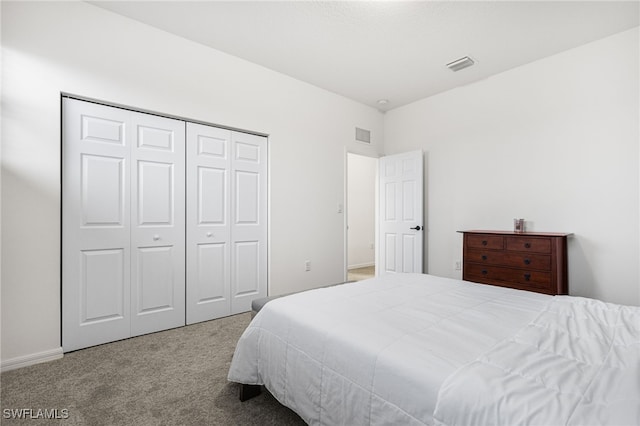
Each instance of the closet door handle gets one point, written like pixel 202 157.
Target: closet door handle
pixel 417 228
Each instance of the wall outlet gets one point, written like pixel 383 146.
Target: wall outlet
pixel 457 265
pixel 307 265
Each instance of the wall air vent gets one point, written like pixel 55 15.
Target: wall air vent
pixel 363 135
pixel 460 64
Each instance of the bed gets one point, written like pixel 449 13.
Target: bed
pixel 415 349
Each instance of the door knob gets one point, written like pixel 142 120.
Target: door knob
pixel 417 228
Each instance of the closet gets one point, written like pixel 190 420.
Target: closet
pixel 163 223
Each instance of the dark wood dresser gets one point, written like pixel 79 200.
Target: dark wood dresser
pixel 534 261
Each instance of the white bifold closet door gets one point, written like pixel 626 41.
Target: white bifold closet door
pixel 123 224
pixel 164 223
pixel 226 221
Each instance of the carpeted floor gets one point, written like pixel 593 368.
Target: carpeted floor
pixel 174 377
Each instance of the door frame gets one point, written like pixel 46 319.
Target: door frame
pixel 345 208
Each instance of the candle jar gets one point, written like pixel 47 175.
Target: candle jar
pixel 518 225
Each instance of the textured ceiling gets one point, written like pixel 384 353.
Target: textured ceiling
pixel 391 50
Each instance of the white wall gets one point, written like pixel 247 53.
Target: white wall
pixel 74 47
pixel 554 142
pixel 361 196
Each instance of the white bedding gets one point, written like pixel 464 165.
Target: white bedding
pixel 376 351
pixel 577 363
pixel 413 349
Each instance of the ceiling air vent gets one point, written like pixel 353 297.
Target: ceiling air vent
pixel 363 135
pixel 460 64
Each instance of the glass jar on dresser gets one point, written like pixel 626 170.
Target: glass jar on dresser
pixel 534 261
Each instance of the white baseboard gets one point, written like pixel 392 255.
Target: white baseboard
pixel 31 359
pixel 361 265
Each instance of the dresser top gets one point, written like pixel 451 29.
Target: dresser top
pixel 531 234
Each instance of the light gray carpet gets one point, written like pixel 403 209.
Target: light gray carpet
pixel 174 377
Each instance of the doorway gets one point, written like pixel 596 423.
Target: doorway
pixel 361 217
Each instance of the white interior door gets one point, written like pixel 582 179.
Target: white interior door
pixel 158 223
pixel 123 224
pixel 226 221
pixel 208 223
pixel 96 225
pixel 248 220
pixel 400 213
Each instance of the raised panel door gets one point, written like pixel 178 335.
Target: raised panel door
pixel 208 222
pixel 248 220
pixel 95 225
pixel 158 223
pixel 400 213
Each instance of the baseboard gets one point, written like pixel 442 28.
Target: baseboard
pixel 361 265
pixel 31 359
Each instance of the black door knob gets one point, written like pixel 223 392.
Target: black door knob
pixel 417 228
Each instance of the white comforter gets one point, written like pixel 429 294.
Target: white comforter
pixel 577 363
pixel 377 351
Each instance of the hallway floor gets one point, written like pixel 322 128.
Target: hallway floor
pixel 360 274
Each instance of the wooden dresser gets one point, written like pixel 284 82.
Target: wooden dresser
pixel 534 261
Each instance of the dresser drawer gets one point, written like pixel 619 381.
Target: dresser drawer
pixel 506 258
pixel 493 242
pixel 533 245
pixel 489 274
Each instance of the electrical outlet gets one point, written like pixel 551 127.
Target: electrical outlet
pixel 457 265
pixel 307 265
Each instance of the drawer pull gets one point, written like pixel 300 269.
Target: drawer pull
pixel 484 257
pixel 527 245
pixel 484 272
pixel 527 261
pixel 527 277
pixel 484 242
